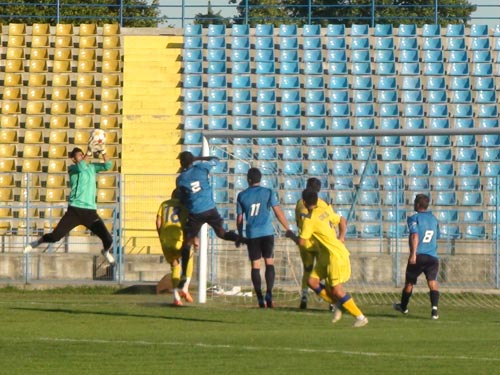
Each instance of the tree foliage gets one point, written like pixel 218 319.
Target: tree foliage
pixel 211 18
pixel 135 13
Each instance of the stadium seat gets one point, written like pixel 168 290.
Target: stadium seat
pixel 342 169
pixel 217 123
pixel 317 153
pixel 368 214
pixel 443 183
pixel 432 56
pixel 291 197
pixel 449 231
pixel 459 56
pixel 411 96
pixel 472 198
pixel 408 43
pixel 475 232
pixel 482 69
pixel 443 169
pixel 485 97
pixel 445 198
pixel 417 169
pixel 487 110
pixel 455 30
pixel 312 43
pixel 361 68
pixel 388 96
pixel 338 96
pixel 370 230
pixel 341 153
pixel 456 43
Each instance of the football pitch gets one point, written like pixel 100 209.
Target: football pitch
pixel 100 331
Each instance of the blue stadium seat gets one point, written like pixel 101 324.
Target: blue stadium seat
pixel 488 123
pixel 361 68
pixel 315 96
pixel 490 140
pixel 459 83
pixel 411 96
pixel 293 182
pixel 490 154
pixel 242 123
pixel 192 55
pixel 360 56
pixel 266 82
pixel 408 43
pixel 241 95
pixel 342 169
pixel 443 183
pixel 484 83
pixel 397 231
pixel 482 69
pixel 335 43
pixel 487 110
pixel 466 154
pixel 242 109
pixel 289 82
pixel 291 123
pixel 291 167
pixel 266 109
pixel 343 183
pixel 388 96
pixel 458 69
pixel 362 83
pixel 267 153
pixel 287 30
pixel 454 30
pixel 382 43
pixel 193 108
pixel 267 123
pixel 410 69
pixel 338 96
pixel 338 83
pixel 193 81
pixel 290 96
pixel 459 56
pixel 441 154
pixel 486 97
pixel 370 230
pixel 240 42
pixel 290 109
pixel 217 96
pixel 419 184
pixel 217 81
pixel 390 141
pixel 475 232
pixel 417 168
pixel 312 43
pixel 193 138
pixel 316 141
pixel 408 56
pixel 429 30
pixel 472 198
pixel 411 83
pixel 216 44
pixel 363 110
pixel 264 67
pixel 433 56
pixel 240 55
pixel 268 167
pixel 270 182
pixel 384 56
pixel 368 214
pixel 267 141
pixel 407 30
pixel 317 153
pixel 289 141
pixel 219 181
pixel 216 29
pixel 359 29
pixel 455 44
pixel 386 83
pixel 314 82
pixel 362 96
pixel 479 43
pixel 481 57
pixel 313 68
pixel 433 69
pixel 192 42
pixel 292 153
pixel 337 68
pixel 339 110
pixel 335 30
pixel 342 197
pixel 217 123
pixel 393 182
pixel 462 110
pixel 192 29
pixel 385 68
pixel 462 96
pixel 287 55
pixel 449 231
pixel 413 110
pixel 193 67
pixel 243 152
pixel 382 30
pixel 241 67
pixel 216 55
pixel 431 43
pixel 369 183
pixel 473 216
pixel 312 56
pixel 360 43
pixel 264 55
pixel 240 30
pixel 336 55
pixel 443 169
pixel 391 154
pixel 436 96
pixel 341 153
pixel 435 83
pixel 469 183
pixel 315 123
pixel 446 216
pixel 241 167
pixel 445 198
pixel 264 43
pixel 364 123
pixel 193 95
pixel 438 110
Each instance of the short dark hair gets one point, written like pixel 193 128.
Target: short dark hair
pixel 254 175
pixel 422 201
pixel 310 197
pixel 313 183
pixel 186 159
pixel 73 153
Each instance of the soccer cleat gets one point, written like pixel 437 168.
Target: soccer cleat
pixel 269 302
pixel 331 307
pixel 434 314
pixel 186 295
pixel 28 249
pixel 303 303
pixel 397 307
pixel 177 302
pixel 360 322
pixel 109 257
pixel 337 314
pixel 262 303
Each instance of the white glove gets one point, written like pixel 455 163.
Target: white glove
pixel 100 148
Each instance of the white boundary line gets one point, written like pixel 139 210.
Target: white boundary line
pixel 262 348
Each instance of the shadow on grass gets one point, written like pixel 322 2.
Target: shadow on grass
pixel 102 313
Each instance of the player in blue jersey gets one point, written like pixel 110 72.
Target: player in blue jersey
pixel 424 232
pixel 254 206
pixel 195 193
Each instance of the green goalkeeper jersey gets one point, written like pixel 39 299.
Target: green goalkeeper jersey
pixel 82 177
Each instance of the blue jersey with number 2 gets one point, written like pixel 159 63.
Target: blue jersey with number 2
pixel 195 188
pixel 256 203
pixel 426 226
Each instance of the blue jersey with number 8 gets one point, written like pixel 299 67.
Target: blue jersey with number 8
pixel 426 226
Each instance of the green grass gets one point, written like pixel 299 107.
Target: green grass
pixel 98 331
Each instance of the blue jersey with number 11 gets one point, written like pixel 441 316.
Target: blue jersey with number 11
pixel 195 189
pixel 256 203
pixel 426 226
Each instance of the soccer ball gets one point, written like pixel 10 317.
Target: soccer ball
pixel 99 136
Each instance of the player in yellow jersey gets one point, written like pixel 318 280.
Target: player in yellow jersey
pixel 333 262
pixel 309 252
pixel 170 220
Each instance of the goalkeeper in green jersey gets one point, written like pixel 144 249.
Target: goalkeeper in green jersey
pixel 82 209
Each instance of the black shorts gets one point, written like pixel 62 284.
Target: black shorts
pixel 426 264
pixel 261 247
pixel 195 222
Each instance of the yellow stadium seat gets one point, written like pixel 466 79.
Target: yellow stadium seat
pixel 105 180
pixel 60 79
pixel 7 165
pixel 64 29
pixel 62 54
pixel 110 66
pixel 110 29
pixel 17 28
pixel 11 107
pixel 60 93
pixel 12 93
pixel 6 212
pixel 63 42
pixel 40 41
pixel 88 29
pixel 58 136
pixel 85 80
pixel 8 150
pixel 111 41
pixel 39 53
pixel 110 94
pixel 52 216
pixel 110 54
pixel 37 79
pixel 9 121
pixel 31 194
pixel 82 136
pixel 84 108
pixel 58 151
pixel 56 180
pixel 110 108
pixel 86 54
pixel 16 41
pixel 105 213
pixel 14 66
pixel 86 66
pixel 6 195
pixel 5 226
pixel 87 42
pixel 57 166
pixel 14 53
pixel 13 79
pixel 111 137
pixel 34 122
pixel 110 80
pixel 31 213
pixel 40 29
pixel 58 122
pixel 33 136
pixel 112 150
pixel 85 93
pixel 59 108
pixel 84 122
pixel 31 165
pixel 7 180
pixel 61 66
pixel 106 195
pixel 35 108
pixel 32 151
pixel 8 136
pixel 109 122
pixel 36 93
pixel 37 66
pixel 55 195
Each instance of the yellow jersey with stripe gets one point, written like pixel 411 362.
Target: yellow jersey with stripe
pixel 173 216
pixel 300 213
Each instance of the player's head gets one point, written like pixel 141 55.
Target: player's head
pixel 313 183
pixel 253 176
pixel 186 158
pixel 421 202
pixel 76 154
pixel 310 197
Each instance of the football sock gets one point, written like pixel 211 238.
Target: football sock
pixel 349 305
pixel 305 293
pixel 270 275
pixel 189 268
pixel 321 291
pixel 176 275
pixel 405 299
pixel 434 295
pixel 256 281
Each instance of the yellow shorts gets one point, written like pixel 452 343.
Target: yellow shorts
pixel 309 253
pixel 333 266
pixel 171 249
